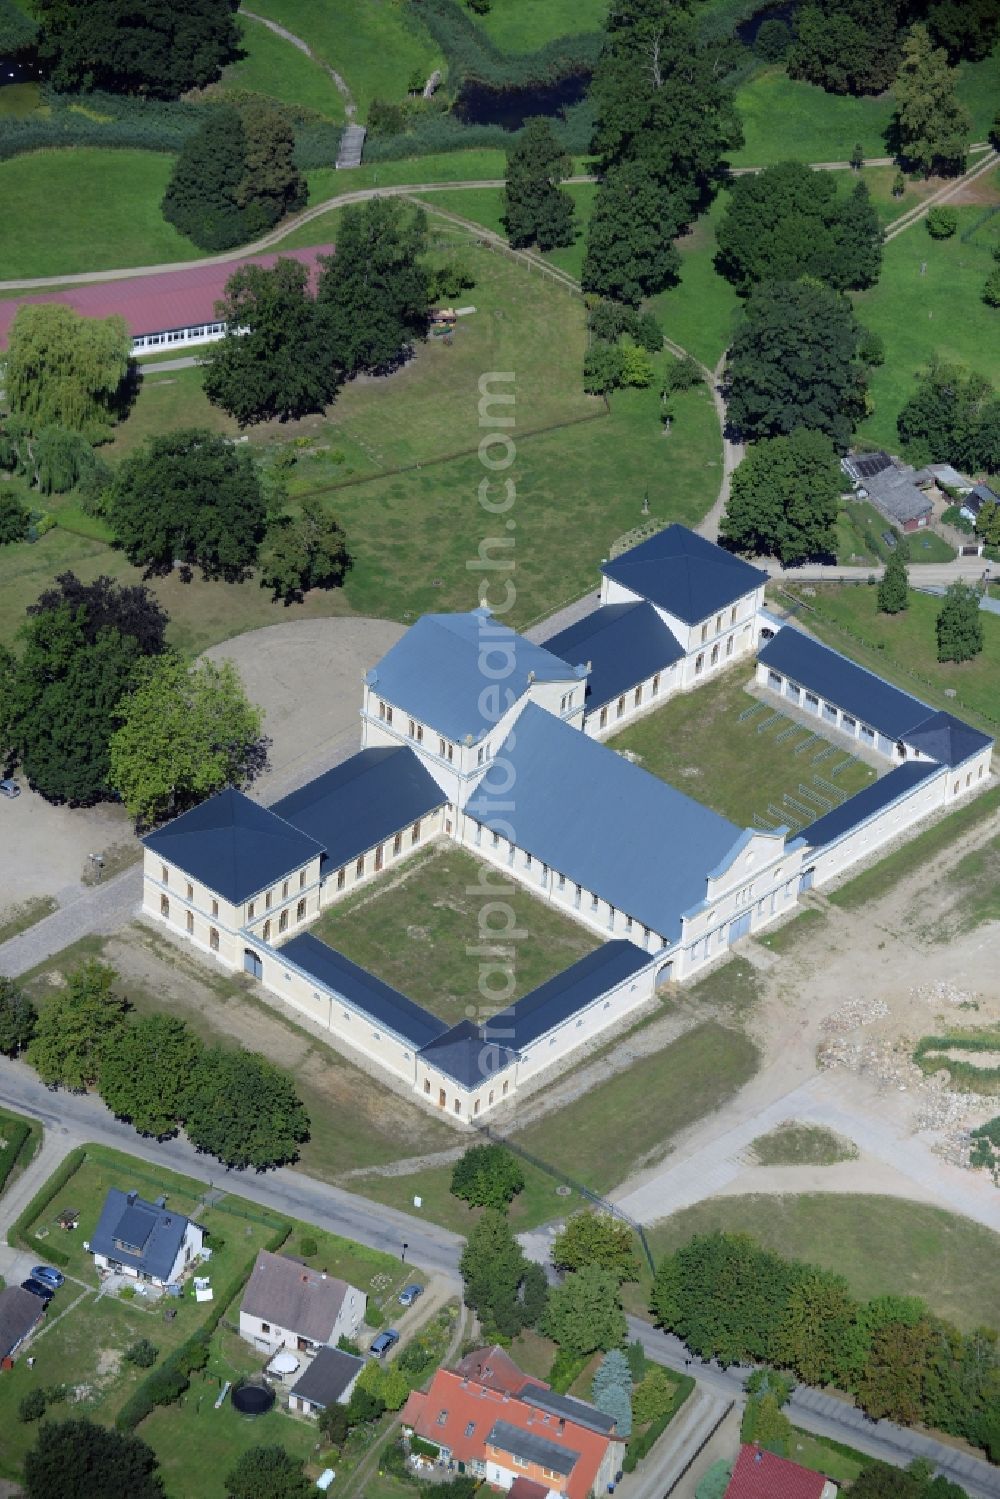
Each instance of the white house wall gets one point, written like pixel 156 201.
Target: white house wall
pixel 879 830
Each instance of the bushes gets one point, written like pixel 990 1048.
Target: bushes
pixel 963 1075
pixel 642 1444
pixel 110 121
pixel 19 1232
pixel 566 1367
pixel 471 53
pixel 32 1406
pixel 143 1354
pixel 942 222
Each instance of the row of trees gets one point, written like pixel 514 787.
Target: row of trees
pixel 855 46
pixel 95 706
pixel 154 1072
pixel 953 416
pixel 732 1300
pixel 158 50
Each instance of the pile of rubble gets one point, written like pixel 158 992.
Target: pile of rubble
pixel 854 1013
pixel 941 1108
pixel 944 993
pixel 889 1063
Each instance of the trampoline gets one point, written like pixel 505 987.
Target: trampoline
pixel 252 1399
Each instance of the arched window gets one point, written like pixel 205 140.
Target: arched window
pixel 164 907
pixel 213 938
pixel 283 921
pixel 190 924
pixel 267 931
pixel 300 911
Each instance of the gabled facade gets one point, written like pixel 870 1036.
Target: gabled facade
pixel 288 1305
pixel 147 1241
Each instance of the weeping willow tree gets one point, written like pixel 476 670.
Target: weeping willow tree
pixel 65 370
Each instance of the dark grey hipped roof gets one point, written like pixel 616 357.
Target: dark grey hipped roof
pixel 685 574
pixel 234 846
pixel 849 686
pixel 947 739
pixel 578 1411
pixel 19 1312
pixel 865 803
pixel 624 643
pixel 139 1234
pixel 357 805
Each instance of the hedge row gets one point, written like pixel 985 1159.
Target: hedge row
pixel 15 1134
pixel 41 1200
pixel 566 1367
pixel 640 1446
pixel 166 1383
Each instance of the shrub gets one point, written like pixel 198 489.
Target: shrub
pixel 32 1406
pixel 14 1135
pixel 942 222
pixel 308 1247
pixel 642 1444
pixel 772 41
pixel 422 1448
pixel 374 1316
pixel 143 1354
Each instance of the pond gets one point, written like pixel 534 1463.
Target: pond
pixel 18 70
pixel 479 104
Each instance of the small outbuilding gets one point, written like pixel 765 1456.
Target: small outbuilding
pixel 328 1379
pixel 760 1474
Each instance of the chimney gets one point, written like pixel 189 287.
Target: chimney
pixel 130 1197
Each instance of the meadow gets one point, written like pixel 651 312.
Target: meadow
pixel 275 67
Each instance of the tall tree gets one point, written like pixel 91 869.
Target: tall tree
pixel 308 550
pixel 374 290
pixel 505 1290
pixel 487 1176
pixel 890 1384
pixel 272 184
pixel 930 126
pixel 161 48
pixel 585 1312
pixel 893 588
pixel 104 604
pixel 847 46
pixel 276 358
pixel 536 209
pixel 630 254
pixel 78 1027
pixel 953 416
pixel 244 1110
pixel 612 1390
pixel 186 732
pixel 795 361
pixel 144 1078
pixel 104 1464
pixel 659 100
pixel 190 497
pixel 596 1239
pixel 959 624
pixel 819 1335
pixel 268 1473
pixel 965 28
pixel 725 1296
pixel 783 498
pixel 18 1018
pixel 202 199
pixel 14 519
pixel 788 221
pixel 66 370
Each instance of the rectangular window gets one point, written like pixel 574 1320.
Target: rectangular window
pixel 496 840
pixel 412 729
pixel 164 877
pixel 397 843
pixel 381 710
pixel 621 706
pixel 284 890
pixel 732 615
pixel 190 891
pixel 415 832
pixel 359 867
pixel 302 879
pixel 561 882
pixel 479 755
pixel 250 910
pixel 213 939
pixel 215 908
pixel 420 733
pixel 341 878
pixel 300 911
pixel 594 902
pixel 729 646
pixel 388 714
pixel 718 623
pixel 190 924
pixel 656 684
pixel 267 901
pixel 604 718
pixel 283 921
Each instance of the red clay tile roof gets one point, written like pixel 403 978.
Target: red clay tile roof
pixel 458 1414
pixel 763 1475
pixel 154 304
pixel 495 1369
pixel 527 1488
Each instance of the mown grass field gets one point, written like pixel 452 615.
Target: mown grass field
pixel 376 48
pixel 697 742
pixel 84 209
pixel 419 929
pixel 523 25
pixel 881 1245
pixel 929 302
pixel 275 67
pixel 903 647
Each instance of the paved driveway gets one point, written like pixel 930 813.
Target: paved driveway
pixel 307 676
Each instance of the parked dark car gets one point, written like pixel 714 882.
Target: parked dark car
pixel 381 1344
pixel 48 1276
pixel 409 1294
pixel 38 1288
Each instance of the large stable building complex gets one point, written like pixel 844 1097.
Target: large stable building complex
pixel 472 733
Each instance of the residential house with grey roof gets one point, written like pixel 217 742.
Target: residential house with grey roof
pixel 288 1305
pixel 327 1379
pixel 147 1241
pixel 20 1314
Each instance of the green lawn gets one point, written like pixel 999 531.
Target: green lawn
pixel 823 1457
pixel 928 302
pixel 375 47
pixel 785 117
pixel 524 25
pixel 275 67
pixel 85 209
pixel 18 100
pixel 628 1122
pixel 740 769
pixel 701 311
pixel 785 937
pixel 861 538
pixel 484 205
pixel 539 1202
pixel 881 1245
pixel 903 648
pixel 419 928
pixel 973 894
pixel 802 1145
pixel 11 1168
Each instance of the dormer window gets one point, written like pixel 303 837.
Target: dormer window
pixel 442 1418
pixel 470 1428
